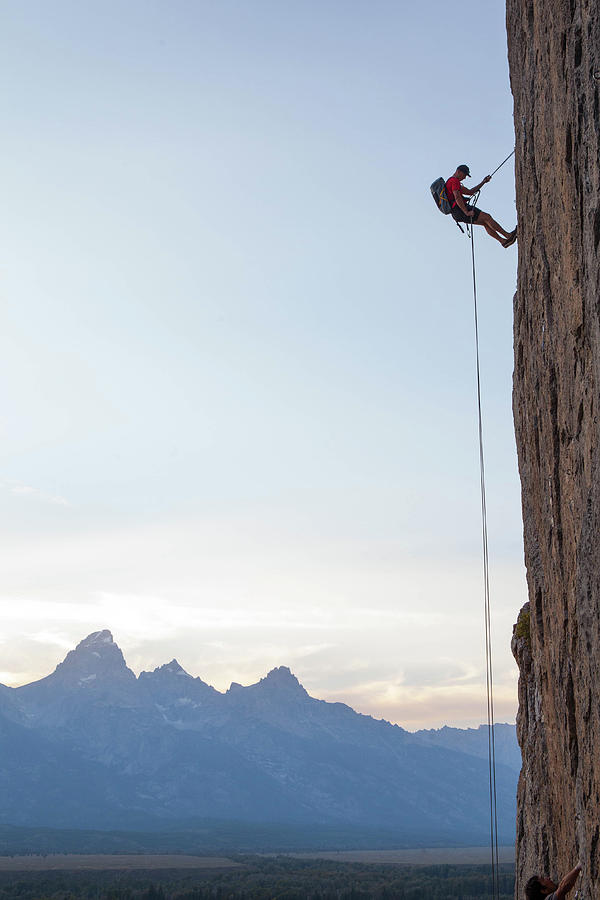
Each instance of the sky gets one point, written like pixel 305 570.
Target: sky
pixel 239 421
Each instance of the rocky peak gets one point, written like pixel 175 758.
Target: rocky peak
pixel 171 682
pixel 166 670
pixel 96 656
pixel 282 679
pixel 95 668
pixel 278 683
pixel 97 638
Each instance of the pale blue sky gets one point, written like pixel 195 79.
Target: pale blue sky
pixel 239 421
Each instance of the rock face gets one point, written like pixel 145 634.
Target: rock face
pixel 554 55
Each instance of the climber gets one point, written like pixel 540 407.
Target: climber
pixel 544 887
pixel 462 212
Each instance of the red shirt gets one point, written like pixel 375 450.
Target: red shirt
pixel 453 184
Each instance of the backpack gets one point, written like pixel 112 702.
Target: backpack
pixel 438 191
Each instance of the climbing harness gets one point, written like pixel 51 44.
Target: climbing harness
pixel 487 616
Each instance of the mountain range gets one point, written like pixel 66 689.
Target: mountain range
pixel 94 746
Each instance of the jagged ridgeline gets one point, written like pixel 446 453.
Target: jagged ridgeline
pixel 92 746
pixel 554 55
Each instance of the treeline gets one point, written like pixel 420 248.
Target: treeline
pixel 264 879
pixel 208 837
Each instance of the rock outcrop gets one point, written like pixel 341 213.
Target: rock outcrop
pixel 554 55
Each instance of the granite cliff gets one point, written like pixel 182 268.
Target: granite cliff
pixel 554 56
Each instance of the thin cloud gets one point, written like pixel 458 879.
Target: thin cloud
pixel 432 706
pixel 231 604
pixel 29 492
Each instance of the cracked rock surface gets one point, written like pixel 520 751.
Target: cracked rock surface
pixel 554 56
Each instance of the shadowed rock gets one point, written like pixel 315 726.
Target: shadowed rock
pixel 554 55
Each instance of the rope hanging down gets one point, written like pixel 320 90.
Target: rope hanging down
pixel 488 629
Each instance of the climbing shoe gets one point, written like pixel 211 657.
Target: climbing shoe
pixel 510 239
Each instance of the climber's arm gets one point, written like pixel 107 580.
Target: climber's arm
pixel 567 883
pixel 473 190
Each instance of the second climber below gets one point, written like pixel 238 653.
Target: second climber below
pixel 471 215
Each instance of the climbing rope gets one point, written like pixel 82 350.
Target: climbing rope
pixel 487 616
pixel 489 675
pixel 503 161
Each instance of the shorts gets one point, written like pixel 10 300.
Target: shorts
pixel 459 216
